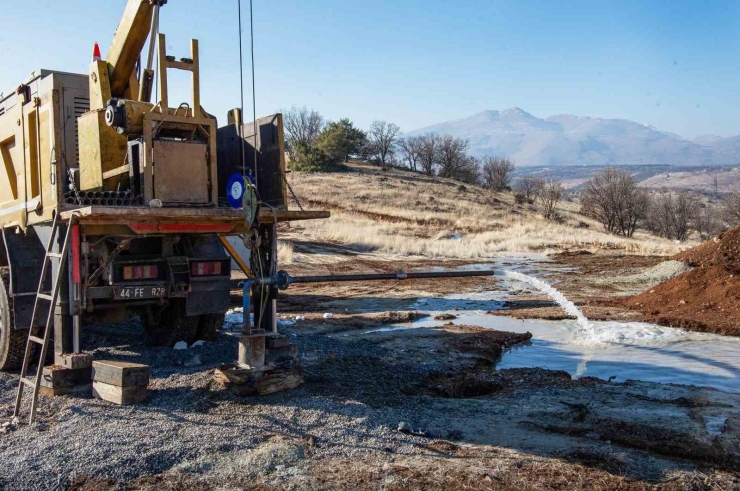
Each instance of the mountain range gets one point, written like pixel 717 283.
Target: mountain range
pixel 566 139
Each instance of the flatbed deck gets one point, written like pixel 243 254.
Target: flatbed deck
pixel 144 220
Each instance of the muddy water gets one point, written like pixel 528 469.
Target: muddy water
pixel 608 350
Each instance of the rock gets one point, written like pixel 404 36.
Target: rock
pixel 328 315
pixel 404 427
pixel 197 343
pixel 300 317
pixel 180 345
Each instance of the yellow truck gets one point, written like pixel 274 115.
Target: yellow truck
pixel 112 205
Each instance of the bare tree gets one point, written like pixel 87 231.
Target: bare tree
pixel 382 136
pixel 452 157
pixel 469 171
pixel 732 207
pixel 551 195
pixel 529 188
pixel 613 198
pixel 633 212
pixel 302 126
pixel 429 153
pixel 497 173
pixel 673 215
pixel 411 148
pixel 708 222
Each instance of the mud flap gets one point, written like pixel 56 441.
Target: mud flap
pixel 208 296
pixel 25 254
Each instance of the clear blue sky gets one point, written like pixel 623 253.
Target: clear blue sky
pixel 671 64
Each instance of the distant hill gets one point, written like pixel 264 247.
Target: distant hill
pixel 566 139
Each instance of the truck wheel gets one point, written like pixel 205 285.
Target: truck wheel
pixel 12 341
pixel 209 326
pixel 174 326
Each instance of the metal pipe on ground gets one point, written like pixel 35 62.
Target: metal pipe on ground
pixel 283 280
pixel 391 276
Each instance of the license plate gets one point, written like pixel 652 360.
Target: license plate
pixel 138 292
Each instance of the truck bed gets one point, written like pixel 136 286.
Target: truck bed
pixel 145 220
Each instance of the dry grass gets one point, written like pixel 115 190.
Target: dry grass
pixel 451 466
pixel 410 214
pixel 285 252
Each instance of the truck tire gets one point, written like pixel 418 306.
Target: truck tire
pixel 174 326
pixel 12 341
pixel 209 326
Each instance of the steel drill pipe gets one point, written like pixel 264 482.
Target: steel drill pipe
pixel 390 276
pixel 283 280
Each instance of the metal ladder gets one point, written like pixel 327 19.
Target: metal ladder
pixel 50 297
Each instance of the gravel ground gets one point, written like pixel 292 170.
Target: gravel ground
pixel 189 421
pixel 192 434
pixel 650 277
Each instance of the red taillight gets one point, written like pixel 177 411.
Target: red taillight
pixel 205 269
pixel 140 272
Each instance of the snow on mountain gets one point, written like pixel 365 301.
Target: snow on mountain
pixel 565 139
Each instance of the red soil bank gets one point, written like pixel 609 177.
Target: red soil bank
pixel 706 298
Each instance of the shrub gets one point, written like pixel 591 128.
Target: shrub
pixel 311 159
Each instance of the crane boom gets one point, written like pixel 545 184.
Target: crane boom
pixel 128 42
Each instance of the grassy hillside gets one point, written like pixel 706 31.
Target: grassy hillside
pixel 402 212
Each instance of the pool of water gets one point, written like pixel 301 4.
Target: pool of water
pixel 608 350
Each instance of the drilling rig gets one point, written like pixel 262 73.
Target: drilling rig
pixel 115 205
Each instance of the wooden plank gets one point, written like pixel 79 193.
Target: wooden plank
pixel 116 172
pixel 58 377
pixel 119 395
pixel 120 373
pixel 277 382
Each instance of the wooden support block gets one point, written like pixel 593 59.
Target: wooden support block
pixel 61 391
pixel 276 382
pixel 58 380
pixel 275 341
pixel 258 381
pixel 76 360
pixel 120 373
pixel 119 395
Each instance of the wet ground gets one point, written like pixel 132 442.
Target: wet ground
pixel 396 399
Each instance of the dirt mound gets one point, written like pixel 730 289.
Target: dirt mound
pixel 706 298
pixel 720 251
